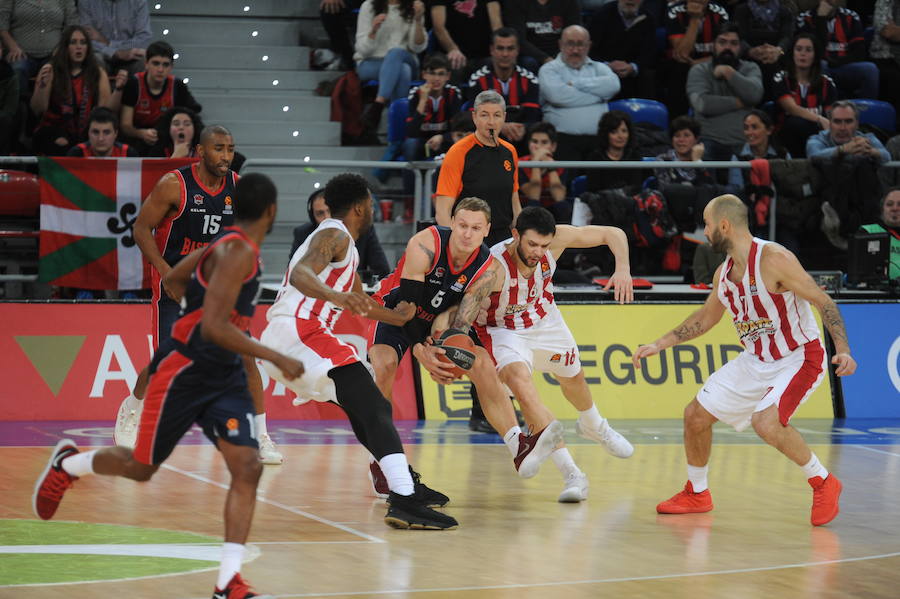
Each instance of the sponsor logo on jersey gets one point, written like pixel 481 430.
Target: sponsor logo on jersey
pixel 189 245
pixel 439 272
pixel 555 358
pixel 198 199
pixel 228 207
pixel 232 426
pixel 459 284
pixel 507 165
pixel 751 330
pixel 514 308
pixel 753 290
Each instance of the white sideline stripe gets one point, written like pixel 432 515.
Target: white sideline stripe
pixel 277 504
pixel 407 591
pixel 872 449
pixel 202 552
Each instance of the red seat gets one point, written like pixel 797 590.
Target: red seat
pixel 20 194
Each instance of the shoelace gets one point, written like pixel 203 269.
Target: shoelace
pixel 819 495
pixel 57 485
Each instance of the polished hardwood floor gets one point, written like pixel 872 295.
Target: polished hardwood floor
pixel 320 533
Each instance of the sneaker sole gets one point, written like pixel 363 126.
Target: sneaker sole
pixel 400 523
pixel 40 480
pixel 573 497
pixel 552 436
pixel 120 438
pixel 676 511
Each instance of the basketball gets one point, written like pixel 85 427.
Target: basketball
pixel 459 347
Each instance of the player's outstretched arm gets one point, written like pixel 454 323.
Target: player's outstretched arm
pixel 176 280
pixel 234 261
pixel 165 198
pixel 793 277
pixel 326 246
pixel 590 236
pixel 693 326
pixel 477 291
pixel 397 316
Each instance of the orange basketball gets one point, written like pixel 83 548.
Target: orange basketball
pixel 460 354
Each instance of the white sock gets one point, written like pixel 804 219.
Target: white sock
pixel 232 555
pixel 396 471
pixel 814 468
pixel 134 403
pixel 591 418
pixel 697 475
pixel 79 464
pixel 261 425
pixel 511 438
pixel 564 462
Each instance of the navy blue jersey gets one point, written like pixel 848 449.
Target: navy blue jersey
pixel 444 287
pixel 202 214
pixel 186 330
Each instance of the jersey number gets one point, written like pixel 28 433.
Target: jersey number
pixel 211 223
pixel 437 299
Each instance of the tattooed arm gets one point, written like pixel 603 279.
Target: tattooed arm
pixel 693 326
pixel 488 283
pixel 326 246
pixel 781 264
pixel 419 256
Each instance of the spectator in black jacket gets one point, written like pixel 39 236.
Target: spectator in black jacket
pixel 540 24
pixel 624 37
pixel 518 86
pixel 767 27
pixel 371 256
pixel 616 142
pixel 431 106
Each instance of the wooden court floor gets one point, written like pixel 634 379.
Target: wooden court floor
pixel 319 532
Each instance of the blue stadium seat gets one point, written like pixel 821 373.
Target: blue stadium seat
pixel 578 186
pixel 770 108
pixel 644 111
pixel 662 40
pixel 878 113
pixel 397 113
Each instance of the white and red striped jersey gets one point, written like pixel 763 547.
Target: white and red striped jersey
pixel 522 302
pixel 770 325
pixel 337 275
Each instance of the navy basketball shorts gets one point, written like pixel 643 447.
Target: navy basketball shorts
pixel 183 392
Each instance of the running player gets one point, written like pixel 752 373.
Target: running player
pixel 439 267
pixel 185 210
pixel 523 329
pixel 320 282
pixel 198 377
pixel 768 294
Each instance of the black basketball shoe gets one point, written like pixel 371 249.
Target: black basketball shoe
pixel 410 512
pixel 429 496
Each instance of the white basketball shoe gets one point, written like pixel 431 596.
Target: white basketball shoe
pixel 611 441
pixel 575 489
pixel 268 453
pixel 127 420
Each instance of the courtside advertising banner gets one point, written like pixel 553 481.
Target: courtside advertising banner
pixel 874 331
pixel 78 361
pixel 607 335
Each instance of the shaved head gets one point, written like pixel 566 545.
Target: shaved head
pixel 728 207
pixel 211 130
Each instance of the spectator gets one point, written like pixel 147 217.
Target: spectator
pixel 518 86
pixel 885 50
pixel 890 177
pixel 758 130
pixel 615 142
pixel 848 162
pixel 803 95
pixel 120 31
pixel 889 222
pixel 150 93
pixel 103 128
pixel 691 26
pixel 460 125
pixel 767 27
pixel 30 31
pixel 66 90
pixel 840 32
pixel 431 106
pixel 539 24
pixel 463 29
pixel 178 133
pixel 371 255
pixel 722 92
pixel 9 105
pixel 338 20
pixel 574 94
pixel 622 32
pixel 544 185
pixel 686 147
pixel 706 261
pixel 389 33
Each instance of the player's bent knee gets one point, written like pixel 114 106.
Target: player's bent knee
pixel 696 416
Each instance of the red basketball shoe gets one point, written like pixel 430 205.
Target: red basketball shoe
pixel 534 449
pixel 53 481
pixel 687 502
pixel 379 481
pixel 238 588
pixel 826 493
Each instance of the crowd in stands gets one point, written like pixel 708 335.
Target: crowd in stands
pixel 769 81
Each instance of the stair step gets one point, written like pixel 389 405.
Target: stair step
pixel 180 31
pixel 235 8
pixel 207 81
pixel 286 108
pixel 193 56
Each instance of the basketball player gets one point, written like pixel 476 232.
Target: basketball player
pixel 523 329
pixel 320 282
pixel 198 377
pixel 437 270
pixel 185 210
pixel 768 294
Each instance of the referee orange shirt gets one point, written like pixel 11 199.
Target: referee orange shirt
pixel 471 168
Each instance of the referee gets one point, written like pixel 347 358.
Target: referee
pixel 484 166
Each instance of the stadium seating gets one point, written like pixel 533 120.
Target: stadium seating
pixel 878 113
pixel 397 113
pixel 644 111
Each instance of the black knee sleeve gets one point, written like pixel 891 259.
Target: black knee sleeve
pixel 369 412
